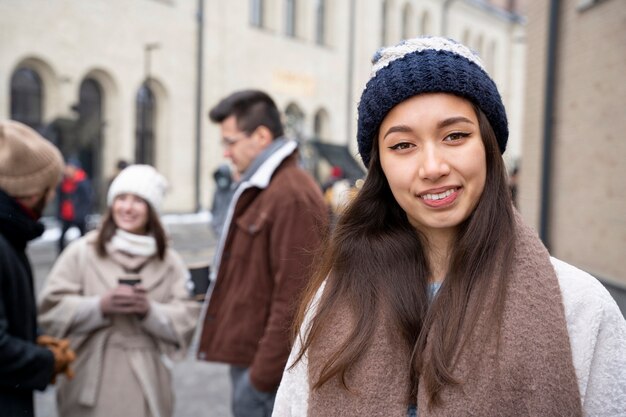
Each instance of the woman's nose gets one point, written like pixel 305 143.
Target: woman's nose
pixel 433 164
pixel 126 204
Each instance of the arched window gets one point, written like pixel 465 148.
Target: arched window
pixel 466 37
pixel 294 121
pixel 145 122
pixel 490 58
pixel 256 13
pixel 290 18
pixel 321 125
pixel 320 22
pixel 478 46
pixel 408 22
pixel 384 36
pixel 27 98
pixel 426 29
pixel 89 128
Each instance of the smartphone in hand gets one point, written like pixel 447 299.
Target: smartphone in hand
pixel 129 279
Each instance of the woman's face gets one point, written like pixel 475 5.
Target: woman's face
pixel 433 156
pixel 130 213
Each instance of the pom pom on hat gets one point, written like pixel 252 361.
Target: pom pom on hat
pixel 426 65
pixel 141 180
pixel 29 163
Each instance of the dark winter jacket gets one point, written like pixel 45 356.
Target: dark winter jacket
pixel 24 366
pixel 278 220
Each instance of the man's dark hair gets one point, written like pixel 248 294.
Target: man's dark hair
pixel 121 164
pixel 251 108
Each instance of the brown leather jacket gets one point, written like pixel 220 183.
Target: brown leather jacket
pixel 264 266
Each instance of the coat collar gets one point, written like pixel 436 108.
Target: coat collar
pixel 270 160
pixel 108 271
pixel 15 224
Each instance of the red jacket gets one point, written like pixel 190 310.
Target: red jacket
pixel 264 266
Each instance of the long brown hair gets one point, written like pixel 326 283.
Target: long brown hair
pixel 153 227
pixel 376 260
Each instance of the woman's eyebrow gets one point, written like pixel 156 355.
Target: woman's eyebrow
pixel 397 128
pixel 453 120
pixel 446 122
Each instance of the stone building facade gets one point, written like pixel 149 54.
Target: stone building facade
pixel 576 197
pixel 134 80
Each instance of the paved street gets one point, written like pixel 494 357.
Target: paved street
pixel 202 389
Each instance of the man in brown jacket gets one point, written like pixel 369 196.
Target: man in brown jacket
pixel 275 221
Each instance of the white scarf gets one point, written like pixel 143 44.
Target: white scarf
pixel 130 243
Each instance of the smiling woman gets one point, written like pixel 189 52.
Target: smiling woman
pixel 121 296
pixel 433 156
pixel 432 296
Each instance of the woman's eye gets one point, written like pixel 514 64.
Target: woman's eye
pixel 400 146
pixel 456 136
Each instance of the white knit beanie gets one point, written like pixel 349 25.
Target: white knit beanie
pixel 141 180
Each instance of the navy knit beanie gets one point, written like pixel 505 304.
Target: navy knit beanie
pixel 426 65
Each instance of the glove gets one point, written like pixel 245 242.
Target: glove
pixel 63 355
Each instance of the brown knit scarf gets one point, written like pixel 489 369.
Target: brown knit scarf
pixel 531 374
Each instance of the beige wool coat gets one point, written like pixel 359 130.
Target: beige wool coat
pixel 121 366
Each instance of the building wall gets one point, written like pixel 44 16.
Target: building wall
pixel 587 226
pixel 68 40
pixel 71 40
pixel 472 22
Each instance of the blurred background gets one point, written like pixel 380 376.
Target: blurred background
pixel 133 80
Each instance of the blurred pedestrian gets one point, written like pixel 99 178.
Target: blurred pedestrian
pixel 30 169
pixel 433 297
pixel 336 174
pixel 275 220
pixel 121 296
pixel 75 200
pixel 120 165
pixel 337 192
pixel 225 185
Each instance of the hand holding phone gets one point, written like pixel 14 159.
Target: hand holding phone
pixel 130 279
pixel 126 298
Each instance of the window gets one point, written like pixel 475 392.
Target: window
pixel 478 46
pixel 426 29
pixel 26 98
pixel 320 22
pixel 408 22
pixel 145 122
pixel 294 123
pixel 256 13
pixel 89 129
pixel 290 18
pixel 466 37
pixel 320 125
pixel 490 58
pixel 383 24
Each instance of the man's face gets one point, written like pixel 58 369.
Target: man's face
pixel 37 203
pixel 239 147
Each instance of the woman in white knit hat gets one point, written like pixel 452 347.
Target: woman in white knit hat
pixel 121 296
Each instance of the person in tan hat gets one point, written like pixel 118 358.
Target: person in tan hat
pixel 30 169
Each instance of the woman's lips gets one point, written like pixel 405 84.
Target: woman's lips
pixel 440 197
